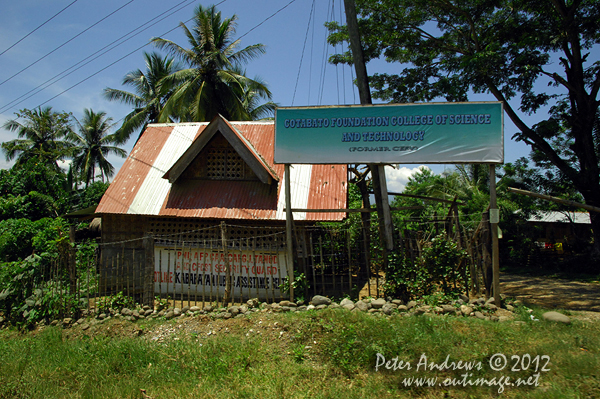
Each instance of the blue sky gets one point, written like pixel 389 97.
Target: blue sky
pixel 295 77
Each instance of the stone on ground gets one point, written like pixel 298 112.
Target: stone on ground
pixel 557 317
pixel 320 300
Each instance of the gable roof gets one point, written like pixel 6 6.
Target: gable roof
pixel 165 150
pixel 242 146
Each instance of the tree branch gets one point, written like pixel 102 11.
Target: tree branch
pixel 559 79
pixel 534 139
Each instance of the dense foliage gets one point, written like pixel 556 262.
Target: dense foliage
pixel 35 191
pixel 35 245
pixel 20 238
pixel 438 269
pixel 26 297
pixel 35 285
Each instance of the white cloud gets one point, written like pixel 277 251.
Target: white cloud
pixel 5 135
pixel 398 177
pixel 64 164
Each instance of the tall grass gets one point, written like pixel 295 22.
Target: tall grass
pixel 327 354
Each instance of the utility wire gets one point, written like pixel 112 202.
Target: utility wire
pixel 30 33
pixel 162 14
pixel 113 63
pixel 303 48
pixel 337 77
pixel 266 19
pixel 310 62
pixel 68 41
pixel 343 67
pixel 108 66
pixel 169 31
pixel 324 63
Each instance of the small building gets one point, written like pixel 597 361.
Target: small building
pixel 182 181
pixel 563 228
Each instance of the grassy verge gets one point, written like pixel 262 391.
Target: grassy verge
pixel 326 354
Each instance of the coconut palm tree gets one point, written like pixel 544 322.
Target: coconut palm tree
pixel 92 145
pixel 253 95
pixel 149 94
pixel 41 135
pixel 211 85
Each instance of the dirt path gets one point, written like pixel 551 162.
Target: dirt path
pixel 552 292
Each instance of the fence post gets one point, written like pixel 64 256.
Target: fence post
pixel 494 220
pixel 72 261
pixel 148 271
pixel 227 294
pixel 486 265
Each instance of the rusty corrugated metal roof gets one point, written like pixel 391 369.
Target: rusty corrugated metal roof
pixel 139 187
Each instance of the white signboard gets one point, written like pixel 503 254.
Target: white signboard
pixel 200 271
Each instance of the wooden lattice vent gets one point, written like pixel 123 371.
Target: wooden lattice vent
pixel 225 164
pixel 219 161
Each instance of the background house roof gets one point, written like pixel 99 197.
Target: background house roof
pixel 140 189
pixel 560 217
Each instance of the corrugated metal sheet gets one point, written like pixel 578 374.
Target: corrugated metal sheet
pixel 140 189
pixel 561 217
pixel 154 189
pixel 299 189
pixel 132 174
pixel 235 200
pixel 249 145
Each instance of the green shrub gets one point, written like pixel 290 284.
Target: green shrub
pixel 26 297
pixel 439 268
pixel 117 302
pixel 443 261
pixel 33 206
pixel 300 285
pixel 89 196
pixel 403 278
pixel 86 267
pixel 19 238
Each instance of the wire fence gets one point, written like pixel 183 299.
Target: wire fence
pixel 230 264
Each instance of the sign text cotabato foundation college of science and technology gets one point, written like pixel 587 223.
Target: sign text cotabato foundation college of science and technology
pixel 413 133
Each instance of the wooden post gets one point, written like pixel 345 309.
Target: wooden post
pixel 362 79
pixel 288 230
pixel 312 260
pixel 554 199
pixel 377 171
pixel 349 262
pixel 486 253
pixel 148 293
pixel 494 219
pixel 72 261
pixel 383 207
pixel 227 294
